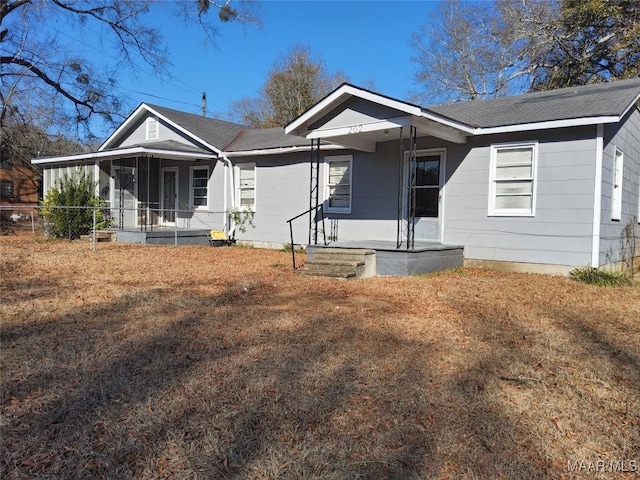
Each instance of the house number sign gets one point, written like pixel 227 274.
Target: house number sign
pixel 354 129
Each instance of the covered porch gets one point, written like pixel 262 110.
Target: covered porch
pixel 157 193
pixel 392 189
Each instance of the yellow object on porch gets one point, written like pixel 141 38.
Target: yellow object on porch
pixel 217 235
pixel 218 238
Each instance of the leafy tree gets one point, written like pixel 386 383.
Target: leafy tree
pixel 598 40
pixel 477 50
pixel 41 75
pixel 294 83
pixel 67 212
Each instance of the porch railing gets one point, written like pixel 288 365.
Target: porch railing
pixel 319 209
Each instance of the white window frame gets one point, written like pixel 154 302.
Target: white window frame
pixel 239 188
pixel 152 133
pixel 327 187
pixel 191 187
pixel 616 184
pixel 493 181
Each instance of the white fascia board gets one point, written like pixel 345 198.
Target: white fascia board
pixel 348 91
pixel 186 132
pixel 636 101
pixel 277 151
pixel 123 126
pixel 135 116
pixel 446 122
pixel 374 126
pixel 574 122
pixel 439 130
pixel 126 152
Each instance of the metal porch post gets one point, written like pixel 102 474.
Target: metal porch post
pixel 314 187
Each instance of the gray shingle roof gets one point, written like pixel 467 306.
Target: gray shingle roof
pixel 264 139
pixel 218 133
pixel 602 99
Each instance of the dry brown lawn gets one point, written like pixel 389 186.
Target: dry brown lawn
pixel 207 363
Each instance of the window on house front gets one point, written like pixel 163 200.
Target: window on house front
pixel 427 189
pixel 246 193
pixel 6 163
pixel 616 197
pixel 152 128
pixel 513 174
pixel 338 189
pixel 6 188
pixel 199 180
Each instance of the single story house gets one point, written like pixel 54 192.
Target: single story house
pixel 542 182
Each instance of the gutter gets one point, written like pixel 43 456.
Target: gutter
pixel 227 166
pixel 597 199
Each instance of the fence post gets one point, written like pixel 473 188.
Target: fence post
pixel 93 239
pixel 33 225
pixel 175 233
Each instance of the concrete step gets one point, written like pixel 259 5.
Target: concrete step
pixel 100 237
pixel 343 275
pixel 337 262
pixel 340 263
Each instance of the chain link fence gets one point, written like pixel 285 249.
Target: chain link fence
pixel 99 223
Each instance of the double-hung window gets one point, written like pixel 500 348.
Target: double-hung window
pixel 512 187
pixel 246 187
pixel 198 187
pixel 338 183
pixel 616 195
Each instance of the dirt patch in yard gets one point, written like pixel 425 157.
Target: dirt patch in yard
pixel 198 362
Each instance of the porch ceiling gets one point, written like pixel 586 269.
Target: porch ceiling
pixel 365 136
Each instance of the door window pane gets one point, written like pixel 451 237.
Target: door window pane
pixel 427 190
pixel 428 171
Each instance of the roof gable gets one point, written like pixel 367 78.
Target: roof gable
pixel 304 123
pixel 210 133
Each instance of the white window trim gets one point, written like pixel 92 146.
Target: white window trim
pixel 327 189
pixel 493 212
pixel 191 187
pixel 238 167
pixel 616 183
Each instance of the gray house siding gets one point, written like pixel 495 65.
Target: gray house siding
pixel 281 192
pixel 373 196
pixel 560 231
pixel 212 216
pixel 626 137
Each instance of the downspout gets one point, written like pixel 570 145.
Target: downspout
pixel 597 198
pixel 228 229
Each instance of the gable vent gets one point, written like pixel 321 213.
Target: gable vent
pixel 152 128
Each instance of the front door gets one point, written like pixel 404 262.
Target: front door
pixel 425 197
pixel 169 196
pixel 124 197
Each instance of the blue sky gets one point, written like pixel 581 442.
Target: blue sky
pixel 367 40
